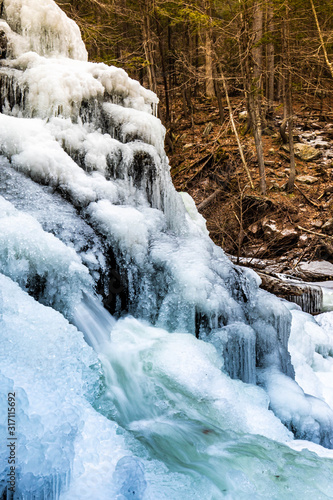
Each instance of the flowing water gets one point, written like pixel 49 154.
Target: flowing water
pixel 144 363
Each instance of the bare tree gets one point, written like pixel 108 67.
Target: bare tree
pixel 251 54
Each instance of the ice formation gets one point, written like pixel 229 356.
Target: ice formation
pixel 195 373
pixel 40 26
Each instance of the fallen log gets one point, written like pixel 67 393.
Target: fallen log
pixel 295 284
pixel 208 200
pixel 278 286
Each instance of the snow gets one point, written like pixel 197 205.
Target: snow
pixel 307 416
pixel 309 403
pixel 311 347
pixel 127 226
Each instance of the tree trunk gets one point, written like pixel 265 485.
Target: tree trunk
pixel 164 72
pixel 322 43
pixel 257 45
pixel 209 77
pixel 269 62
pixel 148 45
pixel 288 98
pixel 252 79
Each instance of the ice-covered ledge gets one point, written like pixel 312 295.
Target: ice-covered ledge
pixel 308 284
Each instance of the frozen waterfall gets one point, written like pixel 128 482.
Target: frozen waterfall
pixel 143 363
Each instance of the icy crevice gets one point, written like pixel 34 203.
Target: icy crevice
pixel 13 96
pixel 60 219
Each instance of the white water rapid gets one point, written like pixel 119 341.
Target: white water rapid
pixel 136 361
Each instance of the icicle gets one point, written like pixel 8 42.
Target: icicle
pixel 311 301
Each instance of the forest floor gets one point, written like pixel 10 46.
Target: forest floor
pixel 286 227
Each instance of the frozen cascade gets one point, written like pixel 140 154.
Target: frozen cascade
pixel 94 321
pixel 87 208
pixel 312 300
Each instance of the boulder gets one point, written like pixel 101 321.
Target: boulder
pixel 314 271
pixel 315 125
pixel 306 179
pixel 279 237
pixel 304 152
pixel 243 116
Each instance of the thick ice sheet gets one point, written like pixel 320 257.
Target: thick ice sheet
pixel 39 262
pixel 61 218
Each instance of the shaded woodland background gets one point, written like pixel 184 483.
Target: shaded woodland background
pixel 238 82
